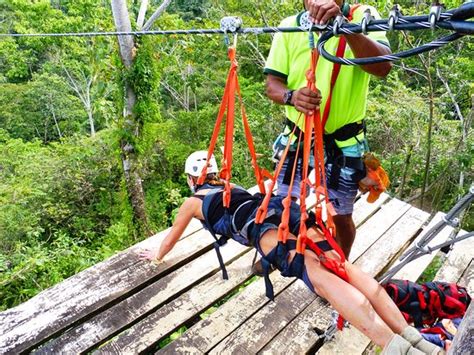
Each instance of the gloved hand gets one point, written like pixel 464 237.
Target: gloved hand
pixel 376 180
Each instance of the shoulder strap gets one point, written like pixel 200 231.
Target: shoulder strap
pixel 341 48
pixel 352 10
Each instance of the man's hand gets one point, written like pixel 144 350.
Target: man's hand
pixel 306 101
pixel 321 11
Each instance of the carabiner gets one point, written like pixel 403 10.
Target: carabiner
pixel 435 14
pixel 393 17
pixel 366 20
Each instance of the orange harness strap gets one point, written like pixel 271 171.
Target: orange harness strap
pixel 228 106
pixel 315 123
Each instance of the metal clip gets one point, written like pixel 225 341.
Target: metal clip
pixel 435 14
pixel 231 24
pixel 306 24
pixel 452 223
pixel 338 22
pixel 366 20
pixel 330 333
pixel 393 17
pixel 423 248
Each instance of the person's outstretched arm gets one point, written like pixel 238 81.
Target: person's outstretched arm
pixel 187 211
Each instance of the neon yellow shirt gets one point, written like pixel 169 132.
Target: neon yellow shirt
pixel 289 58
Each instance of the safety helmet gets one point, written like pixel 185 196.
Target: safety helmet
pixel 197 161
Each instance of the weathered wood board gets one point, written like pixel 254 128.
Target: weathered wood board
pixel 127 306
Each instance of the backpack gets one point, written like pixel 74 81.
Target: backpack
pixel 424 304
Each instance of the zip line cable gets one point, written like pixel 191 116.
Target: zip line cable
pixel 452 20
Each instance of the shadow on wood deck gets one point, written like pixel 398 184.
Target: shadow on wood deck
pixel 124 305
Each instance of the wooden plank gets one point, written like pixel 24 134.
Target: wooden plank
pixel 111 321
pixel 373 261
pixel 369 232
pixel 363 210
pixel 414 269
pixel 145 334
pixel 264 325
pixel 206 334
pixel 56 308
pixel 467 279
pixel 458 260
pixel 397 237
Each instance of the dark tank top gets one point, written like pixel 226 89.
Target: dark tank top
pixel 241 201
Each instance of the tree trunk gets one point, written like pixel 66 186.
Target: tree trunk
pixel 429 132
pixel 128 154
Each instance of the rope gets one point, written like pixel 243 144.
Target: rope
pixel 453 20
pixel 405 23
pixel 421 247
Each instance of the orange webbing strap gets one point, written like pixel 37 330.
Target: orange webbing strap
pixel 313 123
pixel 320 173
pixel 220 116
pixel 308 129
pixel 283 228
pixel 259 173
pixel 263 209
pixel 228 105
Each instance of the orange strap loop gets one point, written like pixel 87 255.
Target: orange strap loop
pixel 228 106
pixel 314 123
pixel 263 209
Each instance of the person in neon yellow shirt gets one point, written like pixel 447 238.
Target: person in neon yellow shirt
pixel 286 67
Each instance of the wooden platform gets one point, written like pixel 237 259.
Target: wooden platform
pixel 127 306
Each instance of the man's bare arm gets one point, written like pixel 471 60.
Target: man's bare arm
pixel 304 100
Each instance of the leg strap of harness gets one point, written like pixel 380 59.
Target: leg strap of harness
pixel 217 246
pixel 278 257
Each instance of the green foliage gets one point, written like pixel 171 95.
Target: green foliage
pixel 430 272
pixel 63 201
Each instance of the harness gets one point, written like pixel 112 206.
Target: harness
pixel 424 304
pixel 225 227
pixel 313 123
pixel 334 154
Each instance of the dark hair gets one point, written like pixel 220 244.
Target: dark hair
pixel 211 179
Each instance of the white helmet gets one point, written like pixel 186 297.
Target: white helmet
pixel 197 161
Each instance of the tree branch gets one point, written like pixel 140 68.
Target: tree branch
pixel 453 99
pixel 156 14
pixel 142 13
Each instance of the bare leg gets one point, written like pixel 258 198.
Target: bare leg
pixel 345 232
pixel 345 298
pixel 348 301
pixel 377 296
